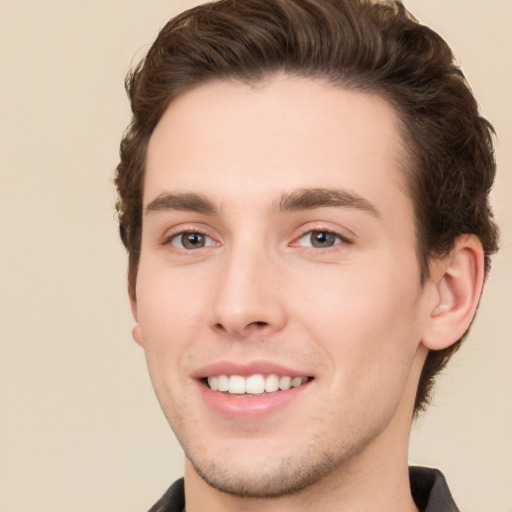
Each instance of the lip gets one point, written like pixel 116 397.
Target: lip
pixel 245 408
pixel 249 408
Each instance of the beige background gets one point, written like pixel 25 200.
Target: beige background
pixel 79 427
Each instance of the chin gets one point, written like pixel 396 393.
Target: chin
pixel 270 478
pixel 262 483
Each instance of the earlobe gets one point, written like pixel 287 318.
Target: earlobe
pixel 458 280
pixel 136 330
pixel 137 335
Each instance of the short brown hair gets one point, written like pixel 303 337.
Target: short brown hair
pixel 366 45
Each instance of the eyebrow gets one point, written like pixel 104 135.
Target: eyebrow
pixel 296 200
pixel 183 201
pixel 312 198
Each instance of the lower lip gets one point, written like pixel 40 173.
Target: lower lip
pixel 250 407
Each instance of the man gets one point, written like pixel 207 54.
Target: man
pixel 303 192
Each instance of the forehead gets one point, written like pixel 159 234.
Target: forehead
pixel 236 140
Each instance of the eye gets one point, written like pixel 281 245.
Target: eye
pixel 320 239
pixel 191 240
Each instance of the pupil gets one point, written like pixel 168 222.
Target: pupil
pixel 193 240
pixel 323 239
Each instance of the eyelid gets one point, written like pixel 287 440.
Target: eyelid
pixel 177 231
pixel 178 241
pixel 322 229
pixel 169 237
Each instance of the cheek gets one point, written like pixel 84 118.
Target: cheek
pixel 167 301
pixel 367 323
pixel 170 314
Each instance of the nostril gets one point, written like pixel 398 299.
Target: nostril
pixel 243 329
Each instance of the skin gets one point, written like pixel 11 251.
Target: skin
pixel 352 316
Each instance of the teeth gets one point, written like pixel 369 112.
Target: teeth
pixel 256 384
pixel 236 385
pixel 213 382
pixel 285 383
pixel 222 383
pixel 296 382
pixel 271 383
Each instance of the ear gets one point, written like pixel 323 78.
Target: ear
pixel 136 330
pixel 458 281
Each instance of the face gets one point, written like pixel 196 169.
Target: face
pixel 278 297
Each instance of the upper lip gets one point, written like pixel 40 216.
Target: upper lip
pixel 246 369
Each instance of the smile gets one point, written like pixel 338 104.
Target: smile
pixel 257 384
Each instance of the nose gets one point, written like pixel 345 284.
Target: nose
pixel 247 300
